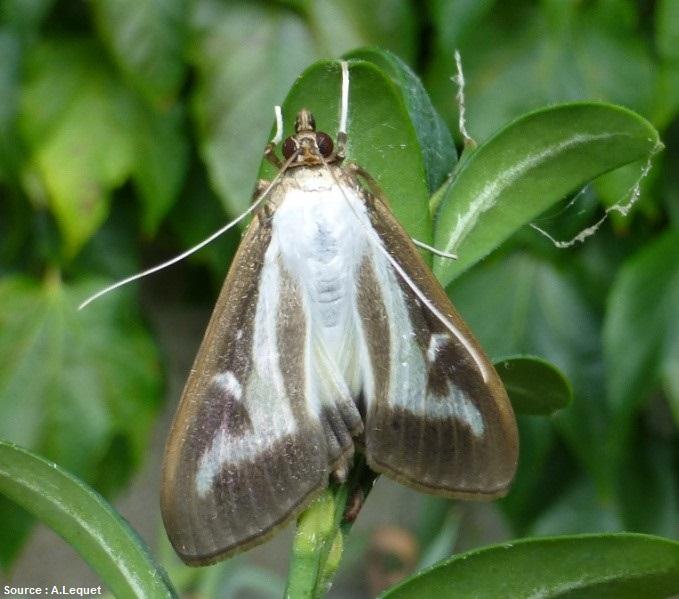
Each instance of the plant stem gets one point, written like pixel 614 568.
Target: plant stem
pixel 319 539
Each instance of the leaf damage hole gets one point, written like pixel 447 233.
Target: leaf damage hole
pixel 623 207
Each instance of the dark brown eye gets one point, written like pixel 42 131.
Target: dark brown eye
pixel 289 147
pixel 324 143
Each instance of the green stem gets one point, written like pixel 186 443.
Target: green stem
pixel 319 539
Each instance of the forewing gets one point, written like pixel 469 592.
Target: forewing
pixel 438 417
pixel 243 454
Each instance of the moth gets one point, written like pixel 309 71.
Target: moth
pixel 330 336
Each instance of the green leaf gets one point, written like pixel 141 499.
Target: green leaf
pixel 25 18
pixel 616 566
pixel 648 488
pixel 76 123
pixel 146 38
pixel 382 139
pixel 641 332
pixel 541 476
pixel 527 167
pixel 162 162
pixel 435 141
pixel 666 95
pixel 10 72
pixel 81 388
pixel 84 520
pixel 667 30
pixel 535 386
pixel 578 508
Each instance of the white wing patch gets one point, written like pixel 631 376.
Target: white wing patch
pixel 228 382
pixel 436 342
pixel 263 395
pixel 409 368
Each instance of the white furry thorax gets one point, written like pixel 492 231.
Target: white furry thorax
pixel 320 231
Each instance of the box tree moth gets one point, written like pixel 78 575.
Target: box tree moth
pixel 330 336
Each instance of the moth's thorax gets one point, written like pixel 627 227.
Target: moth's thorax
pixel 320 231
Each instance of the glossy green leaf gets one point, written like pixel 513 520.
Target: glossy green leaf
pixel 85 521
pixel 146 39
pixel 535 386
pixel 382 139
pixel 75 121
pixel 527 167
pixel 641 333
pixel 435 140
pixel 622 566
pixel 81 388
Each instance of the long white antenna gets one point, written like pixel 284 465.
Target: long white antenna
pixel 197 247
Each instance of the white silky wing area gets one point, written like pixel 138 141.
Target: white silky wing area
pixel 322 247
pixel 263 395
pixel 409 368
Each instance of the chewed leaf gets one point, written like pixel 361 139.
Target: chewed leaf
pixel 527 167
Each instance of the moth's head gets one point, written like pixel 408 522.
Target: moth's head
pixel 312 147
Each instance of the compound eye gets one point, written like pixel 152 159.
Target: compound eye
pixel 289 147
pixel 325 145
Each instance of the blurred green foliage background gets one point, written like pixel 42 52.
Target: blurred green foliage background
pixel 130 129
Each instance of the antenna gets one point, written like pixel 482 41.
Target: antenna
pixel 211 238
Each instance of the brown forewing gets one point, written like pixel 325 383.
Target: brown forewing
pixel 249 499
pixel 434 454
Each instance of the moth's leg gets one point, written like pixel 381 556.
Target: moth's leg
pixel 266 211
pixel 341 146
pixel 270 155
pixel 373 186
pixel 261 186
